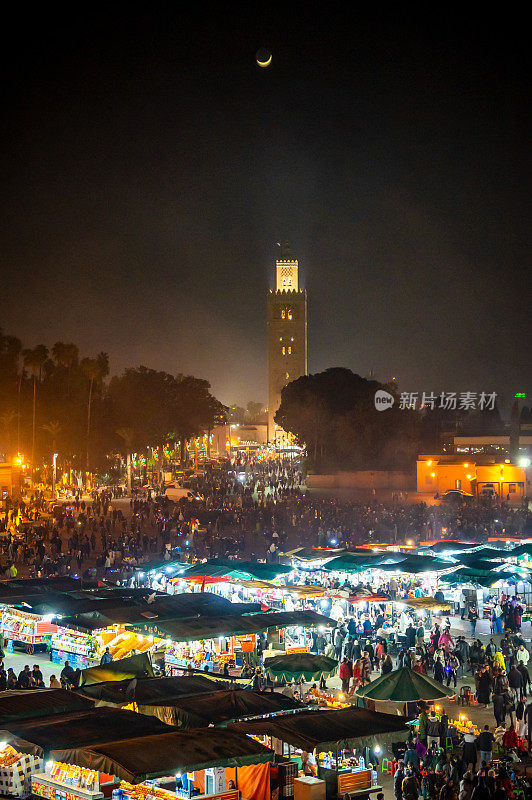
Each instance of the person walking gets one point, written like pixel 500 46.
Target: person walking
pixel 345 674
pixel 473 619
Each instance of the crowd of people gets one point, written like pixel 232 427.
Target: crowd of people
pixel 434 772
pixel 251 509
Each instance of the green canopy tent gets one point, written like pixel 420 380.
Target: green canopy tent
pixel 414 563
pixel 450 546
pixel 167 753
pixel 461 576
pixel 83 728
pixel 329 730
pixel 297 666
pixel 194 629
pixel 224 568
pixel 520 550
pixel 317 554
pixel 22 704
pixel 219 707
pixel 405 686
pixel 484 554
pixel 350 562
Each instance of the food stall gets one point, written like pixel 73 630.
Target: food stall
pixel 211 641
pixel 334 743
pixel 77 647
pixel 16 769
pixel 34 740
pixel 61 781
pixel 195 763
pixel 33 631
pixel 84 649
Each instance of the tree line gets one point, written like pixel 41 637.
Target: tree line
pixel 56 401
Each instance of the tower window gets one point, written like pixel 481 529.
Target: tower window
pixel 289 351
pixel 287 375
pixel 289 313
pixel 283 350
pixel 283 313
pixel 289 281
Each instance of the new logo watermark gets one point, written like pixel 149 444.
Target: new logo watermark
pixel 383 400
pixel 451 401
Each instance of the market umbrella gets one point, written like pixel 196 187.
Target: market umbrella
pixel 296 666
pixel 405 686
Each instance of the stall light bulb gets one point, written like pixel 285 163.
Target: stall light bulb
pixel 3 746
pixel 178 776
pixel 377 749
pixel 49 765
pixel 340 697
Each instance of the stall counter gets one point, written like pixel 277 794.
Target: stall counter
pixel 43 785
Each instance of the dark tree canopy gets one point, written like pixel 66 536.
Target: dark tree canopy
pixel 333 413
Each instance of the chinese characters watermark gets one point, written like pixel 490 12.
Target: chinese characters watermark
pixel 449 401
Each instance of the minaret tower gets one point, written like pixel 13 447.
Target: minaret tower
pixel 287 335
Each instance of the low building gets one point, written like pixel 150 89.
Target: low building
pixel 228 439
pixel 10 481
pixel 481 477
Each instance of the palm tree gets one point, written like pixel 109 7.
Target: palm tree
pixel 127 434
pixel 54 429
pixel 67 356
pixel 95 370
pixel 34 359
pixel 6 422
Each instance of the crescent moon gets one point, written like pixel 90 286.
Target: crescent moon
pixel 265 63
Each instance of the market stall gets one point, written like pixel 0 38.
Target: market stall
pixel 83 638
pixel 35 739
pixel 164 766
pixel 406 687
pixel 335 743
pixel 16 769
pixel 25 629
pixel 210 642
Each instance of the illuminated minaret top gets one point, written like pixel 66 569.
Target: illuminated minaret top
pixel 286 271
pixel 287 277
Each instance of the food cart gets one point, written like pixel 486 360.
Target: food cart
pixel 24 628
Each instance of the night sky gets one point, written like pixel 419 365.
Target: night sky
pixel 150 166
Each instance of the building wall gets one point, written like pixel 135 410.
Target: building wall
pixel 10 480
pixel 228 438
pixel 438 474
pixel 365 479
